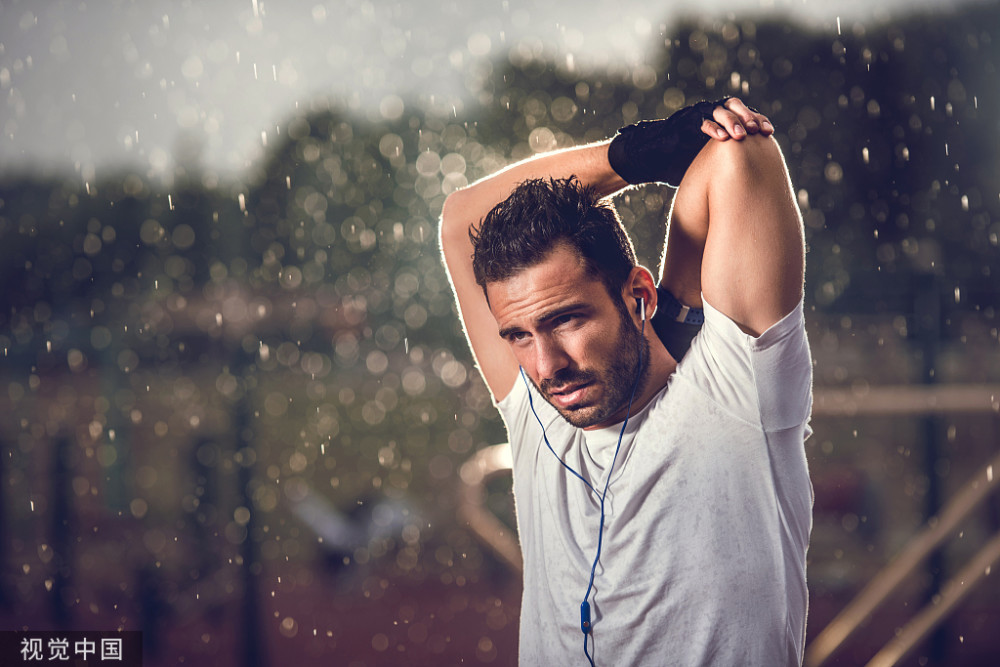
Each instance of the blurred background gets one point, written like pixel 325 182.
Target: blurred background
pixel 237 411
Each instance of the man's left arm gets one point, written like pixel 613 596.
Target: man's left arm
pixel 736 201
pixel 734 235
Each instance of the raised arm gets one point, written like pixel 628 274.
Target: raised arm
pixel 657 151
pixel 465 209
pixel 735 233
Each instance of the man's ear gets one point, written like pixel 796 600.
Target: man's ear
pixel 642 288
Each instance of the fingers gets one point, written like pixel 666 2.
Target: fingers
pixel 751 120
pixel 714 130
pixel 735 121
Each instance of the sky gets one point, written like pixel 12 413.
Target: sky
pixel 93 85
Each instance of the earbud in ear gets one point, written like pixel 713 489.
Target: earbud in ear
pixel 642 308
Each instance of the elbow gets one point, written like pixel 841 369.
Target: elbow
pixel 453 233
pixel 454 220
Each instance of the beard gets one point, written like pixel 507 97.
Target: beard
pixel 628 370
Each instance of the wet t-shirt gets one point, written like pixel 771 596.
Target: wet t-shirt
pixel 707 516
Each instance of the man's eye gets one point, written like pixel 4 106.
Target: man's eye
pixel 563 319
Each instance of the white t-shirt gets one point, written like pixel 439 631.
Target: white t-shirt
pixel 707 517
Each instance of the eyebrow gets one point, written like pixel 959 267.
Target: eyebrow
pixel 550 315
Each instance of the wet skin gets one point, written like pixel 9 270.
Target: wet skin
pixel 579 349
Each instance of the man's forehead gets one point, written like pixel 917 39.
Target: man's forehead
pixel 562 265
pixel 536 291
pixel 558 261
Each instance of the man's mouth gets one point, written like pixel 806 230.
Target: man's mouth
pixel 568 396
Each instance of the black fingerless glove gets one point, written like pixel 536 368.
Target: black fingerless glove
pixel 661 150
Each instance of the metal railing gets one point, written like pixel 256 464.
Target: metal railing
pixel 938 530
pixel 485 465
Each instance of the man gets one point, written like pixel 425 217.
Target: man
pixel 663 507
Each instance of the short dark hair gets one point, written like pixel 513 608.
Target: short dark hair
pixel 540 214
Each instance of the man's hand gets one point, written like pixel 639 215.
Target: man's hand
pixel 662 150
pixel 735 120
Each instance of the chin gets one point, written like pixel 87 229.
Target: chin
pixel 582 417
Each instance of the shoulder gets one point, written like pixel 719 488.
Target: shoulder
pixel 765 379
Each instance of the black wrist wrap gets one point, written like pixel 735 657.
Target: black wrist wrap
pixel 661 150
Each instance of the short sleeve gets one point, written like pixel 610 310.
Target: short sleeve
pixel 765 380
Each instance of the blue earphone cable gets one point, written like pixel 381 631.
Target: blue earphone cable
pixel 585 622
pixel 531 404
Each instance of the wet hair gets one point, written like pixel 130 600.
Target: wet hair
pixel 539 215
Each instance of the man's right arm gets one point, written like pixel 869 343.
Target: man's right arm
pixel 465 209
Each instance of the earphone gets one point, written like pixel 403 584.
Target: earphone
pixel 585 616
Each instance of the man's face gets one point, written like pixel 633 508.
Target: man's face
pixel 578 346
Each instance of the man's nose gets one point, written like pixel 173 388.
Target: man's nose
pixel 550 357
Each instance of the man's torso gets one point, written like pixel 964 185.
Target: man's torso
pixel 706 519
